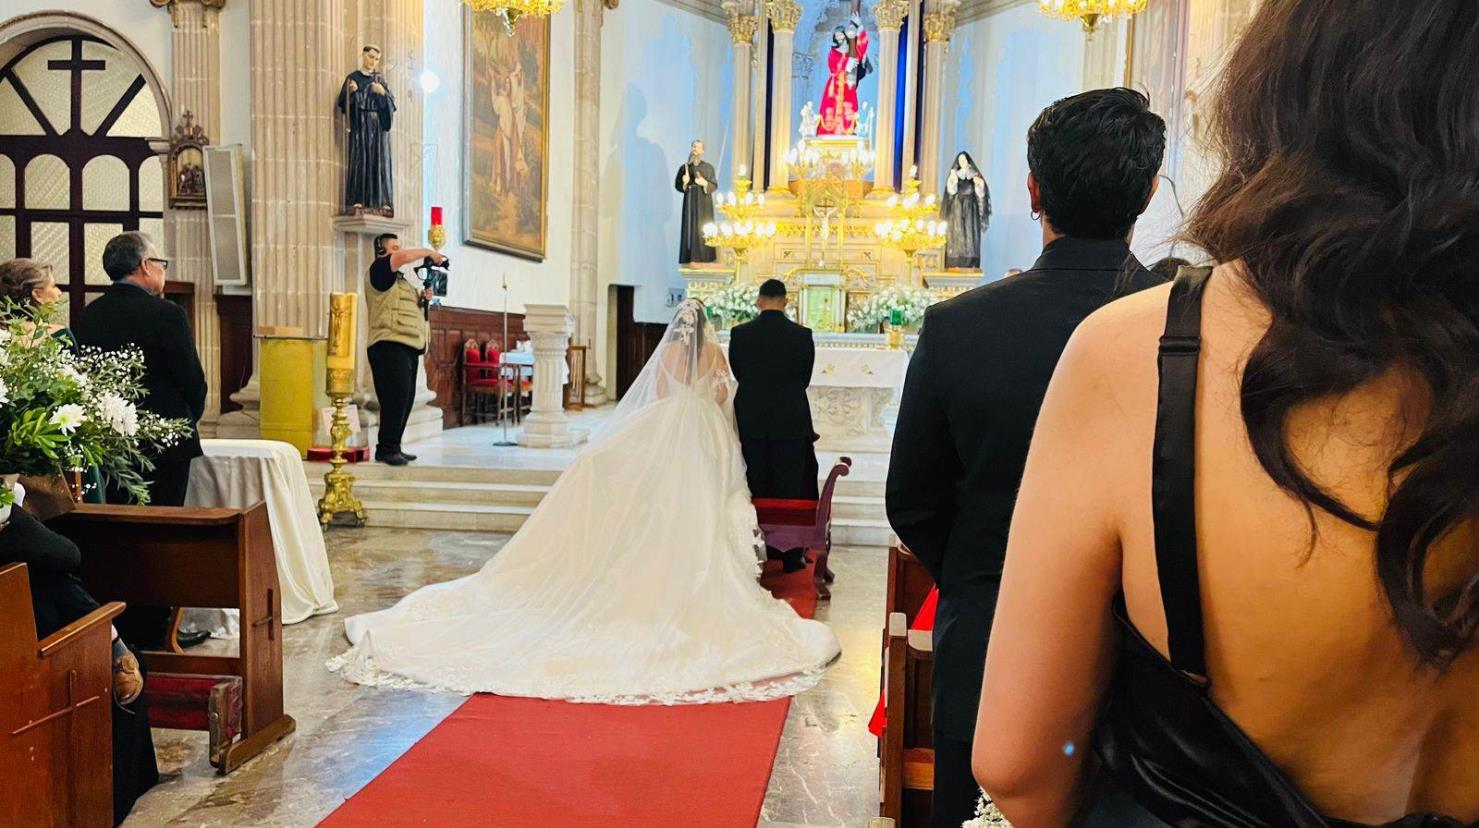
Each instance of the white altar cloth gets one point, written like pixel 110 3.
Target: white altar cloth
pixel 239 474
pixel 851 387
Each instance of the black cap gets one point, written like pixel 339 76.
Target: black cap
pixel 773 289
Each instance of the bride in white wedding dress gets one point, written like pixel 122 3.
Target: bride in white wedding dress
pixel 633 582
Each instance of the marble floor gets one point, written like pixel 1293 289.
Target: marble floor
pixel 825 772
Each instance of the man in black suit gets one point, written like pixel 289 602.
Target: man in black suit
pixel 134 312
pixel 772 356
pixel 977 380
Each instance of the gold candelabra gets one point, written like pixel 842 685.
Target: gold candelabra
pixel 1090 12
pixel 740 204
pixel 739 236
pixel 509 11
pixel 339 498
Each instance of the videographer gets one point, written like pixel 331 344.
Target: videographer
pixel 398 335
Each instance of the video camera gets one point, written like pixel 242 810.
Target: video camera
pixel 435 276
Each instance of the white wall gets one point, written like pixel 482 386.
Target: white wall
pixel 477 271
pixel 666 78
pixel 1004 69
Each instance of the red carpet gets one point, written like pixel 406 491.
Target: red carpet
pixel 511 762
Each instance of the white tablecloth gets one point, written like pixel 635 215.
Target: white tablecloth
pixel 239 474
pixel 859 368
pixel 526 359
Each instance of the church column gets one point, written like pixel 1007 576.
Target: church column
pixel 937 28
pixel 784 15
pixel 890 17
pixel 195 87
pixel 297 65
pixel 911 88
pixel 585 222
pixel 742 29
pixel 758 77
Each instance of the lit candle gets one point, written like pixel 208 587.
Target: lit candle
pixel 436 215
pixel 914 171
pixel 743 170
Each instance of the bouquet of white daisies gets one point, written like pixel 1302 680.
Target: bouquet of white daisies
pixel 909 302
pixel 61 411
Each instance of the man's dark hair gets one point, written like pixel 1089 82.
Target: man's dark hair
pixel 380 241
pixel 1168 267
pixel 773 289
pixel 1095 157
pixel 124 253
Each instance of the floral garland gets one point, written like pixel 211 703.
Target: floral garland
pixel 61 411
pixel 877 309
pixel 734 303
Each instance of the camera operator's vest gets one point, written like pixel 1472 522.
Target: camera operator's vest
pixel 395 314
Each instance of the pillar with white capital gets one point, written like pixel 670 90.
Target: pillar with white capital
pixel 784 15
pixel 742 29
pixel 890 17
pixel 937 28
pixel 547 426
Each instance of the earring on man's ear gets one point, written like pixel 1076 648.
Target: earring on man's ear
pixel 1036 215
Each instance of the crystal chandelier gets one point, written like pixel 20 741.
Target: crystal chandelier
pixel 1090 12
pixel 509 11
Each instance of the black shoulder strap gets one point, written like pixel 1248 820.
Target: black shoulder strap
pixel 1173 474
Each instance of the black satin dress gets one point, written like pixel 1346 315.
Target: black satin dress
pixel 1171 756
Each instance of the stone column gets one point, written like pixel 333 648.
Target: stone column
pixel 742 29
pixel 195 87
pixel 784 15
pixel 890 17
pixel 547 426
pixel 937 28
pixel 298 62
pixel 585 222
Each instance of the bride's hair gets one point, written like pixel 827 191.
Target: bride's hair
pixel 1350 191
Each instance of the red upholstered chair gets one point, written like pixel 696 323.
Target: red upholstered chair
pixel 479 380
pixel 804 524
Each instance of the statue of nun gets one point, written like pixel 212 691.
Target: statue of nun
pixel 967 210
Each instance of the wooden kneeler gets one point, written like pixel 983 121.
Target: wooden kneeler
pixel 164 556
pixel 907 770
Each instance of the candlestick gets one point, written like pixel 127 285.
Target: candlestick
pixel 436 215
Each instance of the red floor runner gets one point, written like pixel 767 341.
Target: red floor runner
pixel 510 762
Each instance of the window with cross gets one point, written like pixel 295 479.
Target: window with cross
pixel 76 166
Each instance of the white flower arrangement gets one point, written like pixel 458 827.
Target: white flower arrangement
pixel 987 816
pixel 877 309
pixel 734 303
pixel 61 411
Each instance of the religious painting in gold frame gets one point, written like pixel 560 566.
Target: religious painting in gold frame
pixel 506 133
pixel 822 305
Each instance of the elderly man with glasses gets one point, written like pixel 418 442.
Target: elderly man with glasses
pixel 134 312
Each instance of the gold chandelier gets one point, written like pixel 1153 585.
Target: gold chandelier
pixel 509 11
pixel 1090 12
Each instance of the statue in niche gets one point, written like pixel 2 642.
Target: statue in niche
pixel 847 65
pixel 696 181
pixel 186 165
pixel 967 211
pixel 368 108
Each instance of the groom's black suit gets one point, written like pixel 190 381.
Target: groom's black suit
pixel 771 357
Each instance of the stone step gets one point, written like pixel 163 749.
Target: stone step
pixel 417 472
pixel 459 517
pixel 443 491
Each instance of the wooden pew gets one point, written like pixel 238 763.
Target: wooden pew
pixel 907 769
pixel 164 556
pixel 56 736
pixel 908 583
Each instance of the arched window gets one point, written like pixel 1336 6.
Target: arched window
pixel 76 167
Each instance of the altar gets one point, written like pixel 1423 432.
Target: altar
pixel 854 382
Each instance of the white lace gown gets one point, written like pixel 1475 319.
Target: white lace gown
pixel 633 582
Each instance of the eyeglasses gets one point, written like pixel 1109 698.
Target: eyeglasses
pixel 163 263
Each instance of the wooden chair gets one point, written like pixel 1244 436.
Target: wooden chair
pixel 907 768
pixel 162 556
pixel 480 380
pixel 56 732
pixel 804 524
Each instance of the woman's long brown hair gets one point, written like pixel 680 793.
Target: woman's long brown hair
pixel 1349 130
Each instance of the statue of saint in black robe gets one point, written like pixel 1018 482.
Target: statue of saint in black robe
pixel 967 210
pixel 698 210
pixel 367 164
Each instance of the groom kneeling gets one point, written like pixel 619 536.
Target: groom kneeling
pixel 772 357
